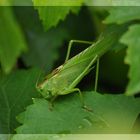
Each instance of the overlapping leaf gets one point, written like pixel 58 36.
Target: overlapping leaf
pixel 53 11
pixel 123 14
pixel 132 39
pixel 110 114
pixel 16 91
pixel 12 42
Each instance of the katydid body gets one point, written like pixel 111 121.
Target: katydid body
pixel 64 79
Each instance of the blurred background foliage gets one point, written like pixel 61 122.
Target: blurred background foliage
pixel 33 46
pixel 34 40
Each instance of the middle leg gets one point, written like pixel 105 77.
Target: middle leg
pixel 70 46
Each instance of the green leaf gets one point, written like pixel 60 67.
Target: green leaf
pixel 122 14
pixel 16 92
pixel 12 42
pixel 110 114
pixel 132 39
pixel 52 12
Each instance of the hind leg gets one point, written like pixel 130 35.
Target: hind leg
pixel 97 75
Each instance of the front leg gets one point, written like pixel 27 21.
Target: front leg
pixel 97 75
pixel 51 102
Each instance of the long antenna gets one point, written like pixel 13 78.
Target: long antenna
pixel 38 77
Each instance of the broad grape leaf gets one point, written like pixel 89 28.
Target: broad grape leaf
pixel 123 14
pixel 52 12
pixel 16 92
pixel 12 42
pixel 105 114
pixel 132 39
